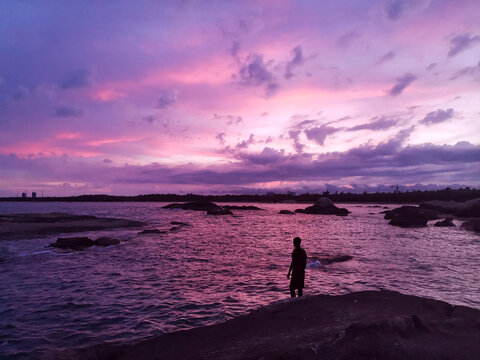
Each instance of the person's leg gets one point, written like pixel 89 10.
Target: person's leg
pixel 292 291
pixel 300 292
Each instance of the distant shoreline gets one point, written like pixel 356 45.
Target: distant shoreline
pixel 342 197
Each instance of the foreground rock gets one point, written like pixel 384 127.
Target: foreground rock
pixel 472 225
pixel 469 208
pixel 410 216
pixel 22 226
pixel 324 206
pixel 363 325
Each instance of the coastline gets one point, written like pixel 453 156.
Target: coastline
pixel 361 325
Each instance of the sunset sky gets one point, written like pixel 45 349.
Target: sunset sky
pixel 132 97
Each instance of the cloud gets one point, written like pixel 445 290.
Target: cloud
pixel 229 119
pixel 402 83
pixel 234 49
pixel 462 42
pixel 297 60
pixel 243 145
pixel 347 38
pixel 438 116
pixel 320 133
pixel 166 99
pixel 395 9
pixel 385 57
pixel 381 123
pixel 150 119
pixel 67 111
pixel 467 71
pixel 295 136
pixel 221 138
pixel 256 73
pixel 76 79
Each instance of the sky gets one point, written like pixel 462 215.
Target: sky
pixel 210 97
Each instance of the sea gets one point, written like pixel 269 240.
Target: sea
pixel 214 269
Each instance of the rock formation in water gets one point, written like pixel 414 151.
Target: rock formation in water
pixel 23 226
pixel 472 225
pixel 364 325
pixel 194 205
pixel 106 241
pixel 219 211
pixel 241 207
pixel 448 222
pixel 410 216
pixel 83 242
pixel 324 206
pixel 469 208
pixel 286 212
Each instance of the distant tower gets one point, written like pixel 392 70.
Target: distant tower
pixel 24 194
pixel 34 195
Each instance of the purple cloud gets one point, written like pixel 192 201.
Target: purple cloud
pixel 438 116
pixel 385 57
pixel 462 42
pixel 467 71
pixel 320 133
pixel 396 8
pixel 297 60
pixel 76 79
pixel 166 99
pixel 295 136
pixel 243 145
pixel 381 123
pixel 255 73
pixel 67 111
pixel 347 38
pixel 229 119
pixel 402 83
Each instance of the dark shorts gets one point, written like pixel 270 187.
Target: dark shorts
pixel 297 280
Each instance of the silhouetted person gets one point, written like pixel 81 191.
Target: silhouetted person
pixel 297 268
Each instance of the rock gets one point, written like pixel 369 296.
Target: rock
pixel 237 207
pixel 179 223
pixel 174 228
pixel 324 206
pixel 106 241
pixel 219 212
pixel 412 211
pixel 472 225
pixel 469 208
pixel 286 212
pixel 24 226
pixel 194 205
pixel 73 243
pixel 151 231
pixel 407 220
pixel 330 259
pixel 445 223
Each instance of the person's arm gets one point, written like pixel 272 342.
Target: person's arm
pixel 290 270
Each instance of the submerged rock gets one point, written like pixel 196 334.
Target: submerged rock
pixel 194 205
pixel 151 231
pixel 106 241
pixel 445 223
pixel 73 243
pixel 472 225
pixel 243 207
pixel 330 259
pixel 286 212
pixel 179 223
pixel 219 212
pixel 324 206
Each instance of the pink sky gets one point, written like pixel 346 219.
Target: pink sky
pixel 216 97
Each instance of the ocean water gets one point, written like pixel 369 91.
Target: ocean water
pixel 215 269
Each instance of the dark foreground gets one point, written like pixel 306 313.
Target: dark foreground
pixel 362 325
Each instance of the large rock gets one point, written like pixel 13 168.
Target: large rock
pixel 24 226
pixel 194 205
pixel 411 211
pixel 324 206
pixel 286 212
pixel 106 241
pixel 241 207
pixel 469 208
pixel 73 243
pixel 409 221
pixel 472 225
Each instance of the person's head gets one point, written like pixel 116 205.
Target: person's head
pixel 296 242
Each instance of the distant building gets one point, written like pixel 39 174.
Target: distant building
pixel 34 195
pixel 24 195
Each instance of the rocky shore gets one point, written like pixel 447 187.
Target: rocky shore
pixel 362 325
